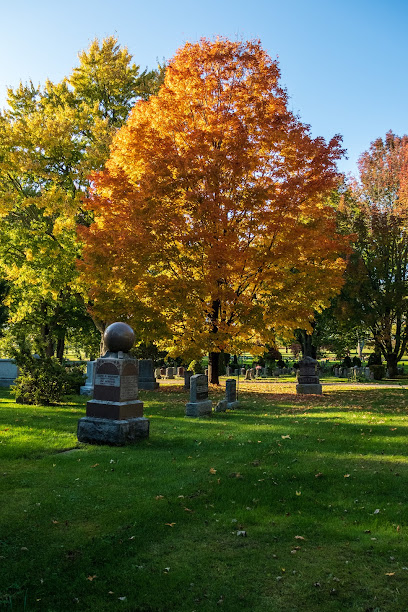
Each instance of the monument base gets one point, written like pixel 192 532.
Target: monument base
pixel 197 409
pixel 85 390
pixel 112 432
pixel 314 389
pixel 223 405
pixel 148 385
pixel 101 409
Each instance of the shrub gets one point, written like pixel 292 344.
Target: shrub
pixel 346 362
pixel 45 381
pixel 196 367
pixel 378 370
pixel 357 361
pixel 374 359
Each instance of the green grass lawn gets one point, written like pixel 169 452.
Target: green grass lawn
pixel 318 485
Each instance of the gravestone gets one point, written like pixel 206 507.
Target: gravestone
pixel 169 373
pixel 187 377
pixel 199 404
pixel 162 371
pixel 88 387
pixel 308 380
pixel 230 402
pixel 248 375
pixel 243 371
pixel 157 374
pixel 8 372
pixel 180 371
pixel 115 414
pixel 147 380
pixel 236 372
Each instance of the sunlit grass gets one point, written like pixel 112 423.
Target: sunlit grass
pixel 317 483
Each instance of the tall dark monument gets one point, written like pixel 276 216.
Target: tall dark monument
pixel 115 414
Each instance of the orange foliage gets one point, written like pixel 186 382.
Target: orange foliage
pixel 212 227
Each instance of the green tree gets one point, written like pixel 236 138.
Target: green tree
pixel 52 138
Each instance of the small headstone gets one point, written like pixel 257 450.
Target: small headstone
pixel 115 414
pixel 228 371
pixel 243 371
pixel 180 371
pixel 147 380
pixel 236 372
pixel 308 380
pixel 187 377
pixel 206 372
pixel 230 402
pixel 199 404
pixel 248 375
pixel 88 387
pixel 162 371
pixel 367 372
pixel 157 374
pixel 169 373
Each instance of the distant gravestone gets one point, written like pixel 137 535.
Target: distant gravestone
pixel 157 374
pixel 308 380
pixel 230 402
pixel 169 373
pixel 147 379
pixel 248 375
pixel 8 372
pixel 115 414
pixel 180 371
pixel 162 371
pixel 199 404
pixel 243 371
pixel 88 387
pixel 187 377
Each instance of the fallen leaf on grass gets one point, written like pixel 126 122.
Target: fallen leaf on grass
pixel 299 538
pixel 159 497
pixel 298 493
pixel 55 522
pixel 390 574
pixel 90 578
pixel 319 475
pixel 346 475
pixel 376 511
pixel 213 471
pixel 96 464
pixel 285 437
pixel 170 524
pixel 188 510
pixel 235 475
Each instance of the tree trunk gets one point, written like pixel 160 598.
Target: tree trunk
pixel 214 357
pixel 213 368
pixel 60 347
pixel 392 364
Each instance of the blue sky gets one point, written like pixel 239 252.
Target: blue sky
pixel 343 62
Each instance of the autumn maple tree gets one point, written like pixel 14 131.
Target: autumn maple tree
pixel 212 229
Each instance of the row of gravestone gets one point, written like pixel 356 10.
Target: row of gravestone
pixel 147 376
pixel 355 372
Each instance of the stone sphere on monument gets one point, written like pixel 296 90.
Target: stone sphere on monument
pixel 119 337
